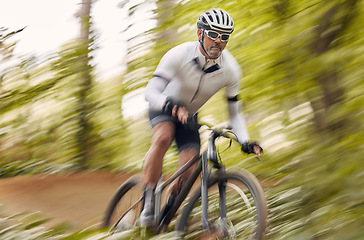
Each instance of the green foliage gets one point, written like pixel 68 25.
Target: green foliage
pixel 302 93
pixel 33 226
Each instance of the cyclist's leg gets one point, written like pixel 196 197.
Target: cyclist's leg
pixel 176 186
pixel 188 143
pixel 163 134
pixel 184 156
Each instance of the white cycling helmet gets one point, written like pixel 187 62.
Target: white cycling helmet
pixel 216 19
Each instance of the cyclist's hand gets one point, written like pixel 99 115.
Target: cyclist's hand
pixel 176 110
pixel 180 113
pixel 171 107
pixel 251 147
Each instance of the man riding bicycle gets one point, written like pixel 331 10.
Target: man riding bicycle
pixel 186 77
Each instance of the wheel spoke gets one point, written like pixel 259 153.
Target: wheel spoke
pixel 245 210
pixel 125 206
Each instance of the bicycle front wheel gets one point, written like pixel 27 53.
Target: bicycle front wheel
pixel 125 206
pixel 245 204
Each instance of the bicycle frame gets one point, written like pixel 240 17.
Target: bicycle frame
pixel 202 168
pixel 205 163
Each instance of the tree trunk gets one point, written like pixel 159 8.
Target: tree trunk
pixel 84 135
pixel 334 22
pixel 166 36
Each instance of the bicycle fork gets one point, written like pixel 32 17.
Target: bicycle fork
pixel 204 194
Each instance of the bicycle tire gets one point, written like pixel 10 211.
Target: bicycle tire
pixel 128 194
pixel 244 222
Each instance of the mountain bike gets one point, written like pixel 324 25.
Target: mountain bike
pixel 224 204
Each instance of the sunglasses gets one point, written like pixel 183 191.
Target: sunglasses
pixel 214 35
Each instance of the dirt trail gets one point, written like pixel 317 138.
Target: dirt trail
pixel 79 199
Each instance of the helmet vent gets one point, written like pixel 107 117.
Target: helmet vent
pixel 216 19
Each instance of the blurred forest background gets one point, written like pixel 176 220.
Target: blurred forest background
pixel 302 93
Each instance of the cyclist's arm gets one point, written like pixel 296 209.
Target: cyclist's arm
pixel 164 73
pixel 237 120
pixel 154 93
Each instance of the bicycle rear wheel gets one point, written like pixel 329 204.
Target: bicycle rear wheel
pixel 125 206
pixel 246 209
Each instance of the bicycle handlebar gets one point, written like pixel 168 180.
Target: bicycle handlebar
pixel 218 131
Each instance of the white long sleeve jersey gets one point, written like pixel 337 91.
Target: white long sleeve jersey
pixel 185 76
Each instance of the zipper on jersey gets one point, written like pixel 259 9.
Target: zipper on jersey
pixel 198 88
pixel 208 70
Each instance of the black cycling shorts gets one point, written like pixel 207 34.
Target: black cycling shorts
pixel 185 138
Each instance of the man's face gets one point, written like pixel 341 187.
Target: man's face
pixel 214 48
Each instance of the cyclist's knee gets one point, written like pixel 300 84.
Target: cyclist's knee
pixel 163 140
pixel 163 134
